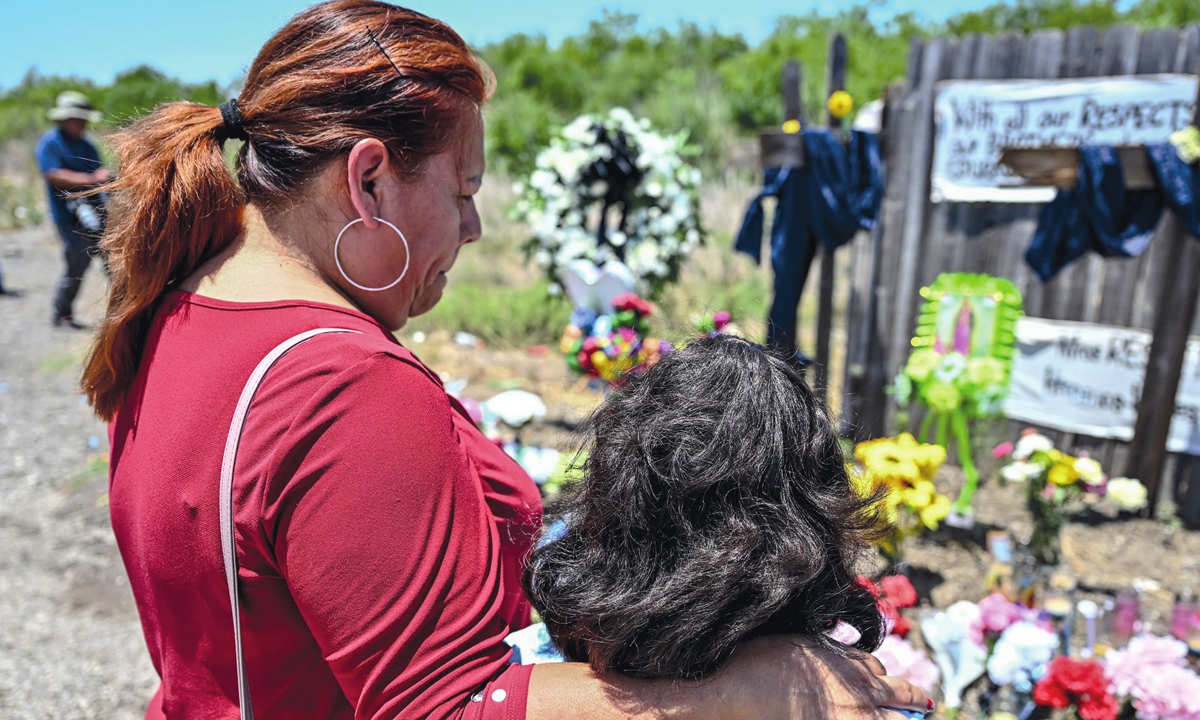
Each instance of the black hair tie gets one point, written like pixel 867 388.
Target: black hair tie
pixel 232 117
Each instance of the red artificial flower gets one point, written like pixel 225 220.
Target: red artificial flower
pixel 1047 692
pixel 1104 707
pixel 630 301
pixel 902 627
pixel 869 585
pixel 899 591
pixel 1078 677
pixel 1077 682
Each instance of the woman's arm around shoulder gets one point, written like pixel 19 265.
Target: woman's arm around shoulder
pixel 770 678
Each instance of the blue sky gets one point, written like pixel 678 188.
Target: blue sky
pixel 217 39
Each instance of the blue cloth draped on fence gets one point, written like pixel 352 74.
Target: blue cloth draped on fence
pixel 1102 215
pixel 836 193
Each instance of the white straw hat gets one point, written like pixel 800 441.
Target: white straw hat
pixel 71 104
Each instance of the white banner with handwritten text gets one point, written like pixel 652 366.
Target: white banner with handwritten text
pixel 974 119
pixel 1086 379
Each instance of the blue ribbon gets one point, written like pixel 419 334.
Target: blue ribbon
pixel 1101 215
pixel 835 195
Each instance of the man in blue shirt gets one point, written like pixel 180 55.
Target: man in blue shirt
pixel 70 163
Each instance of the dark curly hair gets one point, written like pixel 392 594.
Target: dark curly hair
pixel 715 506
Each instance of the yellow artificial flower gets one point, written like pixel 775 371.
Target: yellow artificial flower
pixel 921 363
pixel 1063 472
pixel 901 461
pixel 942 397
pixel 860 480
pixel 985 371
pixel 935 512
pixel 920 495
pixel 840 104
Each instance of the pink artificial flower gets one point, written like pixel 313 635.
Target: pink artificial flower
pixel 996 613
pixel 902 660
pixel 1004 449
pixel 845 633
pixel 1130 669
pixel 1170 693
pixel 721 319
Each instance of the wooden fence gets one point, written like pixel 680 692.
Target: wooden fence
pixel 918 239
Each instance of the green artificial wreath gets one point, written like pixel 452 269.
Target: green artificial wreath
pixel 962 360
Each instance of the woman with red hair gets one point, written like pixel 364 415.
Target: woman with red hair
pixel 311 526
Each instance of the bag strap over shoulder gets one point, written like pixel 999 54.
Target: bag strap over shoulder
pixel 228 547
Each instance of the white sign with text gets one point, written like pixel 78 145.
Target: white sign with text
pixel 975 119
pixel 1086 379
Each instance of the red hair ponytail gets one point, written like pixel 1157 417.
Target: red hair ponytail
pixel 174 206
pixel 318 86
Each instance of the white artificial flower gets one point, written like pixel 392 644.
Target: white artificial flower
pixel 950 367
pixel 1014 472
pixel 1020 655
pixel 542 179
pixel 1127 493
pixel 1029 444
pixel 624 117
pixel 1089 471
pixel 960 658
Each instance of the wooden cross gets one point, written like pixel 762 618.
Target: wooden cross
pixel 780 147
pixel 784 147
pixel 1175 312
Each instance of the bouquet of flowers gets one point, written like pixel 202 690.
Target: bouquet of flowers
pixel 605 167
pixel 904 468
pixel 1058 484
pixel 1152 672
pixel 1081 683
pixel 612 346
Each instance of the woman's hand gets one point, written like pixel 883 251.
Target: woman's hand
pixel 779 677
pixel 784 676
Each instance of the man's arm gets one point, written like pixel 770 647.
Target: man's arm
pixel 64 179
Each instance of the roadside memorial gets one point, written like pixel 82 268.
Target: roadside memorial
pixel 951 205
pixel 610 189
pixel 959 370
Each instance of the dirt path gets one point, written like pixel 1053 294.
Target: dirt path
pixel 70 642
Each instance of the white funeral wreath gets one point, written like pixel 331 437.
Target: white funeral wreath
pixel 609 188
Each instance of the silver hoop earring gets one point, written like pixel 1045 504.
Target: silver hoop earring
pixel 342 270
